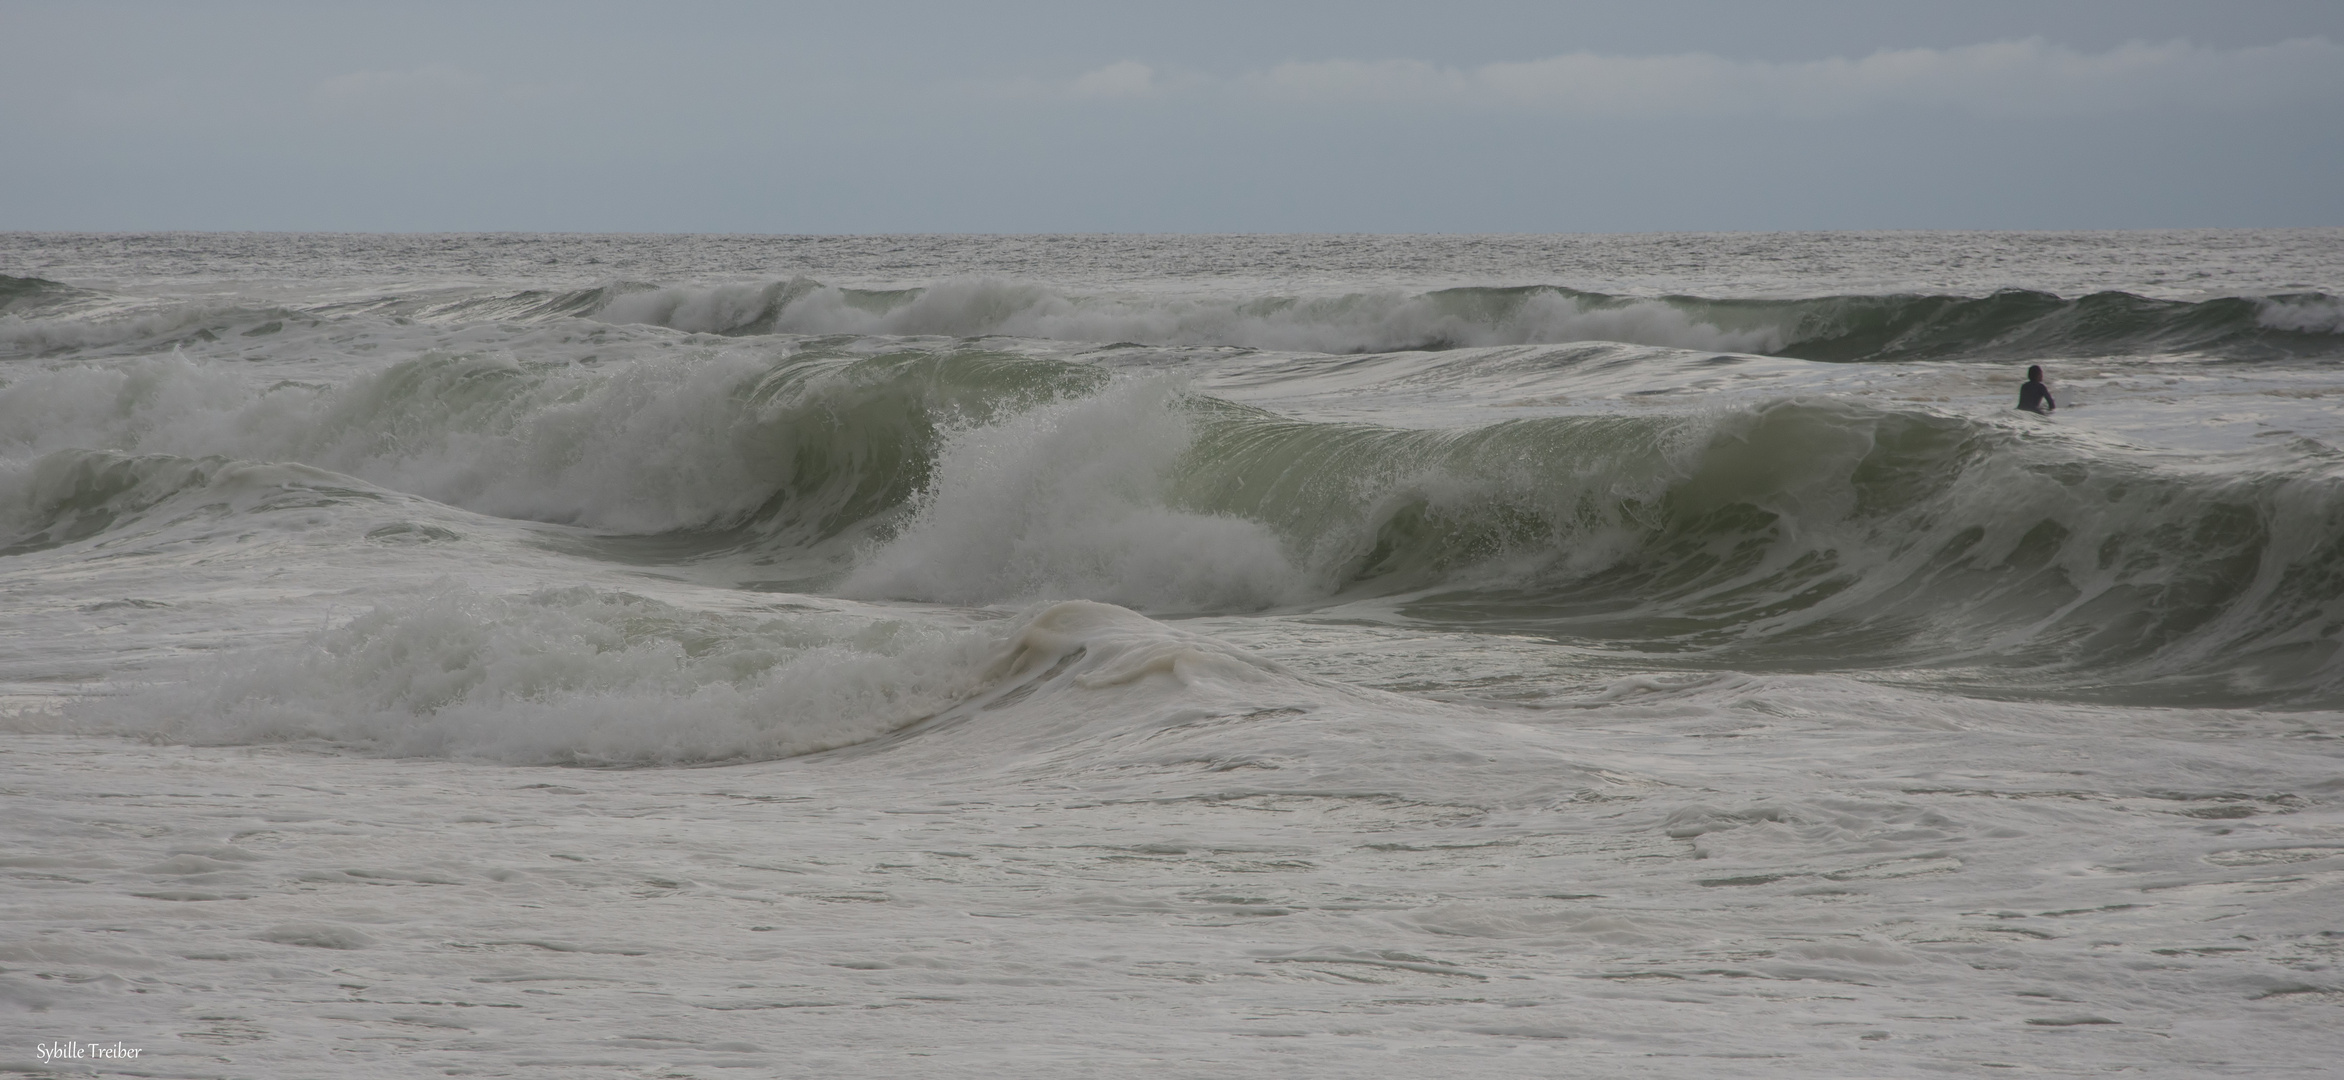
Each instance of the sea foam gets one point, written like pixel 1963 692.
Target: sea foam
pixel 571 676
pixel 1069 500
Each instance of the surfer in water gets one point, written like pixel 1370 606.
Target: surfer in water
pixel 2033 396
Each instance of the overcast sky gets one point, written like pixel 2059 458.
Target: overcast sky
pixel 916 116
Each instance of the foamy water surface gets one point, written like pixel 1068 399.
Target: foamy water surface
pixel 1066 656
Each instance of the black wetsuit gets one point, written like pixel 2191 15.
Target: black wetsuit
pixel 2035 397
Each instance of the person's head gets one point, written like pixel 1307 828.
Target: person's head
pixel 2034 373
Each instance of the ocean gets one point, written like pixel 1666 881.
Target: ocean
pixel 1067 656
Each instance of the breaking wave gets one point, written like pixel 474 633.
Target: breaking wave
pixel 575 676
pixel 41 318
pixel 1792 533
pixel 2013 323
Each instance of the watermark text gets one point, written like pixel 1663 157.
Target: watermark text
pixel 67 1050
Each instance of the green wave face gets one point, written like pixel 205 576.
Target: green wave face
pixel 74 496
pixel 712 454
pixel 2017 324
pixel 27 297
pixel 790 463
pixel 849 442
pixel 1810 536
pixel 16 290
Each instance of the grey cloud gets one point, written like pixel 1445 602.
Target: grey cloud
pixel 2021 77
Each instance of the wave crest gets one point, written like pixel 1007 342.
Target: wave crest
pixel 573 676
pixel 2013 323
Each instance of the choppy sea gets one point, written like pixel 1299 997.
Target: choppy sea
pixel 1638 656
